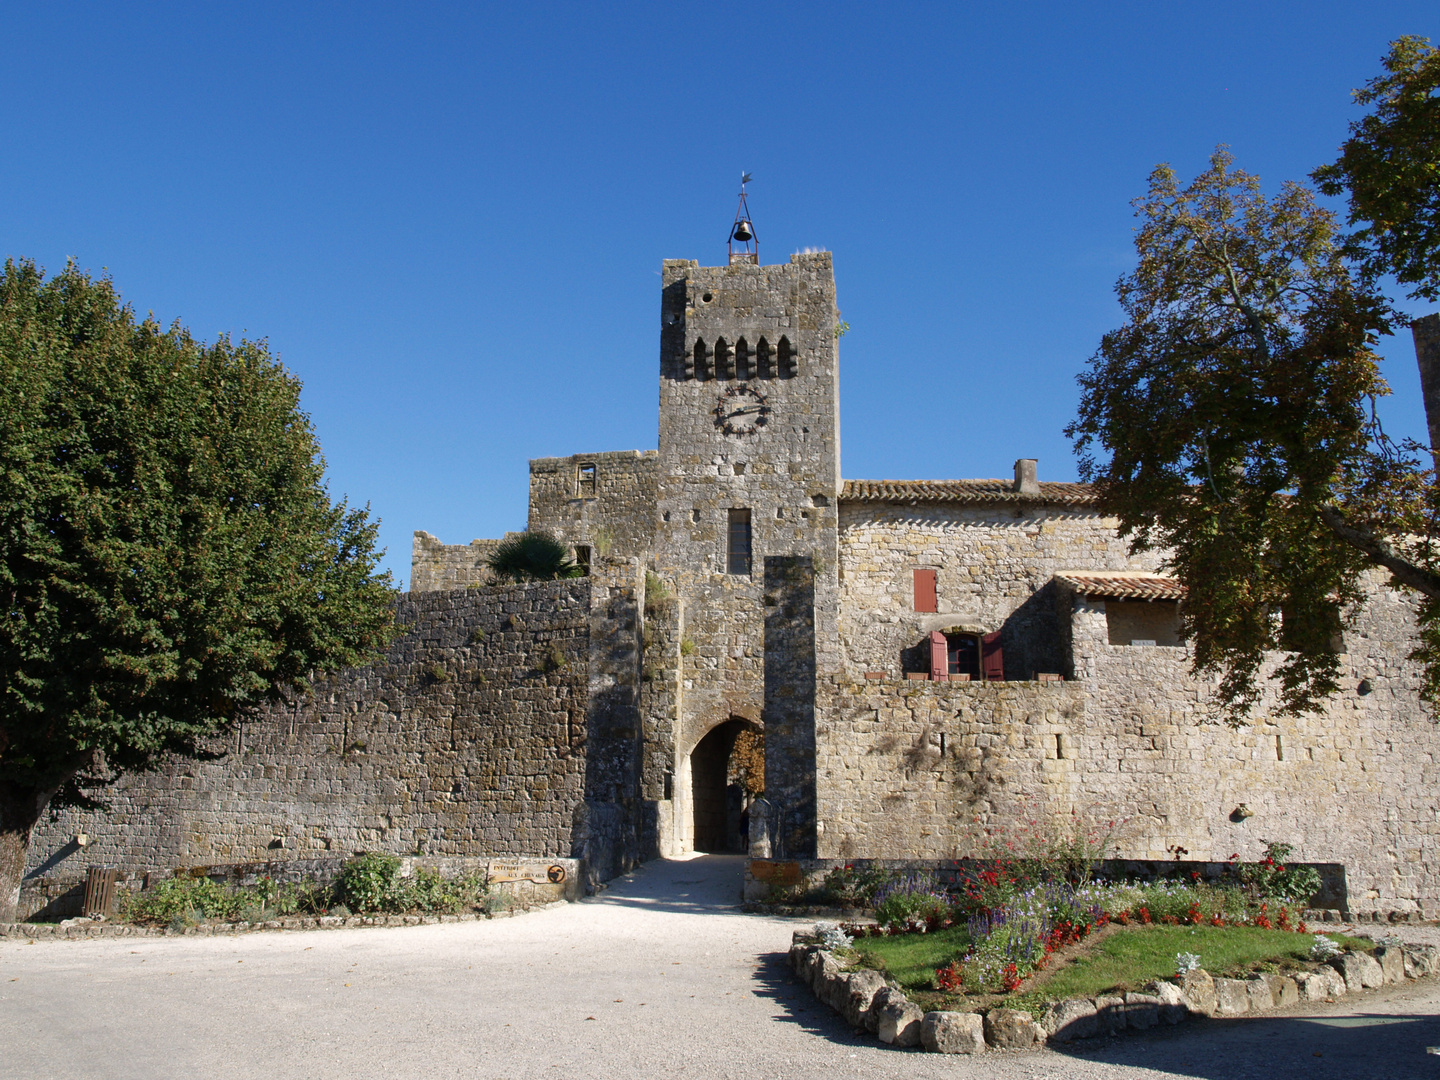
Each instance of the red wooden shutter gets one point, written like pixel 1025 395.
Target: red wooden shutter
pixel 939 656
pixel 992 661
pixel 925 590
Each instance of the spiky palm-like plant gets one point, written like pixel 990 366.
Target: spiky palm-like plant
pixel 532 556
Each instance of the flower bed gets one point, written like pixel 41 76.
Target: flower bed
pixel 1322 971
pixel 1017 914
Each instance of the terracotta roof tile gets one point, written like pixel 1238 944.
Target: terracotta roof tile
pixel 963 491
pixel 1125 586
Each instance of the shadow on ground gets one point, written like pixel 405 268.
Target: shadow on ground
pixel 795 1004
pixel 1380 1045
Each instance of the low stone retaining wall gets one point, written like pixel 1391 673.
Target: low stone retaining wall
pixel 868 1002
pixel 525 880
pixel 70 929
pixel 765 878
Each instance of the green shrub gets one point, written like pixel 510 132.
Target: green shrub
pixel 910 899
pixel 186 899
pixel 853 886
pixel 370 882
pixel 1271 879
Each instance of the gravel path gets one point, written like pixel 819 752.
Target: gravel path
pixel 660 976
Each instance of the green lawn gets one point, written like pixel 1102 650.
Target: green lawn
pixel 911 959
pixel 1134 955
pixel 1126 958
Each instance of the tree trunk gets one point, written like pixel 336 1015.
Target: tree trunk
pixel 20 809
pixel 1426 332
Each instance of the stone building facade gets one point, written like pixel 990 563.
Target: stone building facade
pixel 932 664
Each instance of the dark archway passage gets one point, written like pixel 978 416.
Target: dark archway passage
pixel 718 792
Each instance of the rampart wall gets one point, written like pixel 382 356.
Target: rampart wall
pixel 932 768
pixel 437 567
pixel 473 736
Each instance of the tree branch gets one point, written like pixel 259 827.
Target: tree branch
pixel 1379 552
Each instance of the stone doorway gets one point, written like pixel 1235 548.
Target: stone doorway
pixel 721 786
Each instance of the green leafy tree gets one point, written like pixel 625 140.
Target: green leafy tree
pixel 170 559
pixel 1230 423
pixel 1389 169
pixel 532 556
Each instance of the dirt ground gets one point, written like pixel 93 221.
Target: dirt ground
pixel 660 976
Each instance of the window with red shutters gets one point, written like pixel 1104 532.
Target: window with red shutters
pixel 991 658
pixel 925 591
pixel 939 656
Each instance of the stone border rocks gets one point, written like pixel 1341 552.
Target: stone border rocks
pixel 867 1001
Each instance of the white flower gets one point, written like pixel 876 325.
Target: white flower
pixel 1186 961
pixel 1322 948
pixel 832 937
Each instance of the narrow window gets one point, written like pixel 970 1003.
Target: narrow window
pixel 925 591
pixel 1060 746
pixel 723 358
pixel 738 548
pixel 582 557
pixel 1279 748
pixel 702 362
pixel 785 359
pixel 585 481
pixel 764 362
pixel 742 359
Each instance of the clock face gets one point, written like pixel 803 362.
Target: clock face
pixel 741 411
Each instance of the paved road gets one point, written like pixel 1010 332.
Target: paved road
pixel 658 977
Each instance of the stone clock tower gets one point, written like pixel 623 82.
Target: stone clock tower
pixel 749 471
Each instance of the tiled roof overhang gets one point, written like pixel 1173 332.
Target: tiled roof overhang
pixel 1125 586
pixel 964 491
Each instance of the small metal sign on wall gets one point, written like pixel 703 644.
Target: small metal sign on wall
pixel 554 874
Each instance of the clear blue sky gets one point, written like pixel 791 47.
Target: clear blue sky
pixel 448 220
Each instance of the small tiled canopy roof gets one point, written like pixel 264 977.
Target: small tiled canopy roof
pixel 963 491
pixel 1125 586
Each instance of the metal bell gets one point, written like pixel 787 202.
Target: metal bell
pixel 742 232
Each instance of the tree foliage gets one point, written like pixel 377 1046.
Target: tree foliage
pixel 1230 424
pixel 169 556
pixel 1390 170
pixel 532 556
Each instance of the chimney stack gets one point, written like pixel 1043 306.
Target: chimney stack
pixel 1025 482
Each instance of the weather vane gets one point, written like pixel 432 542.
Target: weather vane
pixel 742 232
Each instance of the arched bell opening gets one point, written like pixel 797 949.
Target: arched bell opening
pixel 727 774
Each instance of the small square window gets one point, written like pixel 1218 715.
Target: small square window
pixel 585 481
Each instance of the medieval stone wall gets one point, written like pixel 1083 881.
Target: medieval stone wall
pixel 437 567
pixel 928 767
pixel 603 501
pixel 471 737
pixel 993 566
